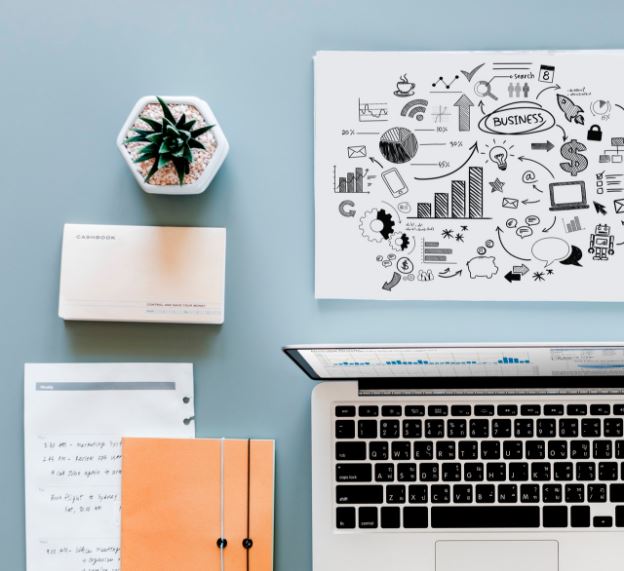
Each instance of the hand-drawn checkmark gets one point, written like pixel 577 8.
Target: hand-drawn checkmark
pixel 469 74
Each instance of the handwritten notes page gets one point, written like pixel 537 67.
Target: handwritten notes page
pixel 469 175
pixel 74 418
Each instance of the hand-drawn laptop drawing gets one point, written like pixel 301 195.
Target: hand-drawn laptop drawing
pixel 467 457
pixel 569 195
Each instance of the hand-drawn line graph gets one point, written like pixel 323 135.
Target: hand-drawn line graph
pixel 446 84
pixel 372 112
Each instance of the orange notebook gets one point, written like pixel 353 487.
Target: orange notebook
pixel 181 498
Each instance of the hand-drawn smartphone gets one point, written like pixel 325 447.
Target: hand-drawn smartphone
pixel 394 181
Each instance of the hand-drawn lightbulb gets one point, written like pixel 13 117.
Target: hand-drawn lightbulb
pixel 499 156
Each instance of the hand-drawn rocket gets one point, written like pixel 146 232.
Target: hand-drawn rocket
pixel 572 112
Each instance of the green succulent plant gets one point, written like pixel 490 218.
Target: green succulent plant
pixel 168 141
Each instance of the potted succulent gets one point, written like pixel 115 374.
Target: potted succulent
pixel 173 145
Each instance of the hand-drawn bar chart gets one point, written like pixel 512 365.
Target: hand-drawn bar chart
pixel 353 182
pixel 573 226
pixel 453 205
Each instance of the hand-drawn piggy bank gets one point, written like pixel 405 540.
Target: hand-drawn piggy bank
pixel 482 267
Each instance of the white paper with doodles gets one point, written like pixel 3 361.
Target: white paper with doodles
pixel 469 175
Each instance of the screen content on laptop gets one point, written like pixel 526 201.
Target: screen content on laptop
pixel 461 361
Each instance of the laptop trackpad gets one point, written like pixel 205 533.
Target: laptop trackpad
pixel 497 555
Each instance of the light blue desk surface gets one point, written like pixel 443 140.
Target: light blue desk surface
pixel 70 72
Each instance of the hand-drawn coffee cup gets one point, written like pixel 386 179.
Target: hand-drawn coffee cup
pixel 405 86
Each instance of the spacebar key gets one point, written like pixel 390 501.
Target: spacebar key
pixel 485 516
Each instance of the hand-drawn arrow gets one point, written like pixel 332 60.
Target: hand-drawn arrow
pixel 474 149
pixel 618 105
pixel 482 107
pixel 463 105
pixel 538 190
pixel 520 269
pixel 527 201
pixel 537 163
pixel 600 208
pixel 547 146
pixel 565 135
pixel 556 86
pixel 500 239
pixel 396 278
pixel 550 227
pixel 457 273
pixel 374 160
pixel 511 277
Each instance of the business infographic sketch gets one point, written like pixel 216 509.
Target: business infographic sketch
pixel 469 175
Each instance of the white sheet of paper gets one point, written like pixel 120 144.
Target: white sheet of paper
pixel 74 418
pixel 469 175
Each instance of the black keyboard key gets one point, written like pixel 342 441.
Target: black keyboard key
pixel 523 428
pixel 603 449
pixel 530 410
pixel 462 494
pixel 367 429
pixel 456 428
pixel 415 518
pixel 518 471
pixel 354 472
pixel 552 493
pixel 585 471
pixel 389 429
pixel 412 429
pixel 479 428
pixel 577 409
pixel 557 449
pixel 390 517
pixel 546 428
pixel 395 494
pixel 485 517
pixel 535 450
pixel 580 450
pixel 414 410
pixel 483 410
pixel 553 410
pixel 529 493
pixel 485 494
pixel 490 450
pixel 460 410
pixel 555 516
pixel 512 450
pixel 608 471
pixel 618 409
pixel 401 451
pixel 507 410
pixel 574 493
pixel 451 472
pixel 350 451
pixel 496 471
pixel 438 410
pixel 392 410
pixel 434 428
pixel 613 427
pixel 597 493
pixel 343 410
pixel 368 410
pixel 474 472
pixel 367 518
pixel 468 450
pixel 406 472
pixel 619 516
pixel 345 429
pixel 440 494
pixel 590 427
pixel 617 493
pixel 445 450
pixel 619 449
pixel 580 516
pixel 563 471
pixel 540 471
pixel 507 493
pixel 345 518
pixel 359 494
pixel 384 472
pixel 429 472
pixel 603 521
pixel 600 409
pixel 568 428
pixel 418 494
pixel 423 450
pixel 501 428
pixel 378 451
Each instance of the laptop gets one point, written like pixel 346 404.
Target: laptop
pixel 569 195
pixel 484 457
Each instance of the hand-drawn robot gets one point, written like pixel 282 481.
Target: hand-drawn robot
pixel 601 242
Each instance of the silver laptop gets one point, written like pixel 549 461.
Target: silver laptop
pixel 492 457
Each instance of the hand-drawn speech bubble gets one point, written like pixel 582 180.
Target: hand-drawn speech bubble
pixel 518 118
pixel 532 220
pixel 550 250
pixel 573 259
pixel 524 231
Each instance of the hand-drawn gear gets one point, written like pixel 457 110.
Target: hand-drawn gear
pixel 376 225
pixel 399 241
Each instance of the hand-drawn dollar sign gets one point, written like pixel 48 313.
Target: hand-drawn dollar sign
pixel 570 151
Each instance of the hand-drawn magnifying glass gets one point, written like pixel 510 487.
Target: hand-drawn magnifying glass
pixel 484 89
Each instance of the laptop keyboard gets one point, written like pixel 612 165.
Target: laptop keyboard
pixel 509 466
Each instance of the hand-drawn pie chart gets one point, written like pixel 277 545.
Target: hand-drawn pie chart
pixel 398 145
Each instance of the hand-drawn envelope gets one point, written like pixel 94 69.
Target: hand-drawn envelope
pixel 619 205
pixel 510 203
pixel 356 151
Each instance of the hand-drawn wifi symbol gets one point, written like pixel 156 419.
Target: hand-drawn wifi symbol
pixel 415 107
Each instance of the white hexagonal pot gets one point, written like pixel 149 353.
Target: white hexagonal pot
pixel 221 147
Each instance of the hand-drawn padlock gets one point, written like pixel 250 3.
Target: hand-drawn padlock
pixel 594 133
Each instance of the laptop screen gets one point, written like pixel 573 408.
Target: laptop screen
pixel 458 361
pixel 568 193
